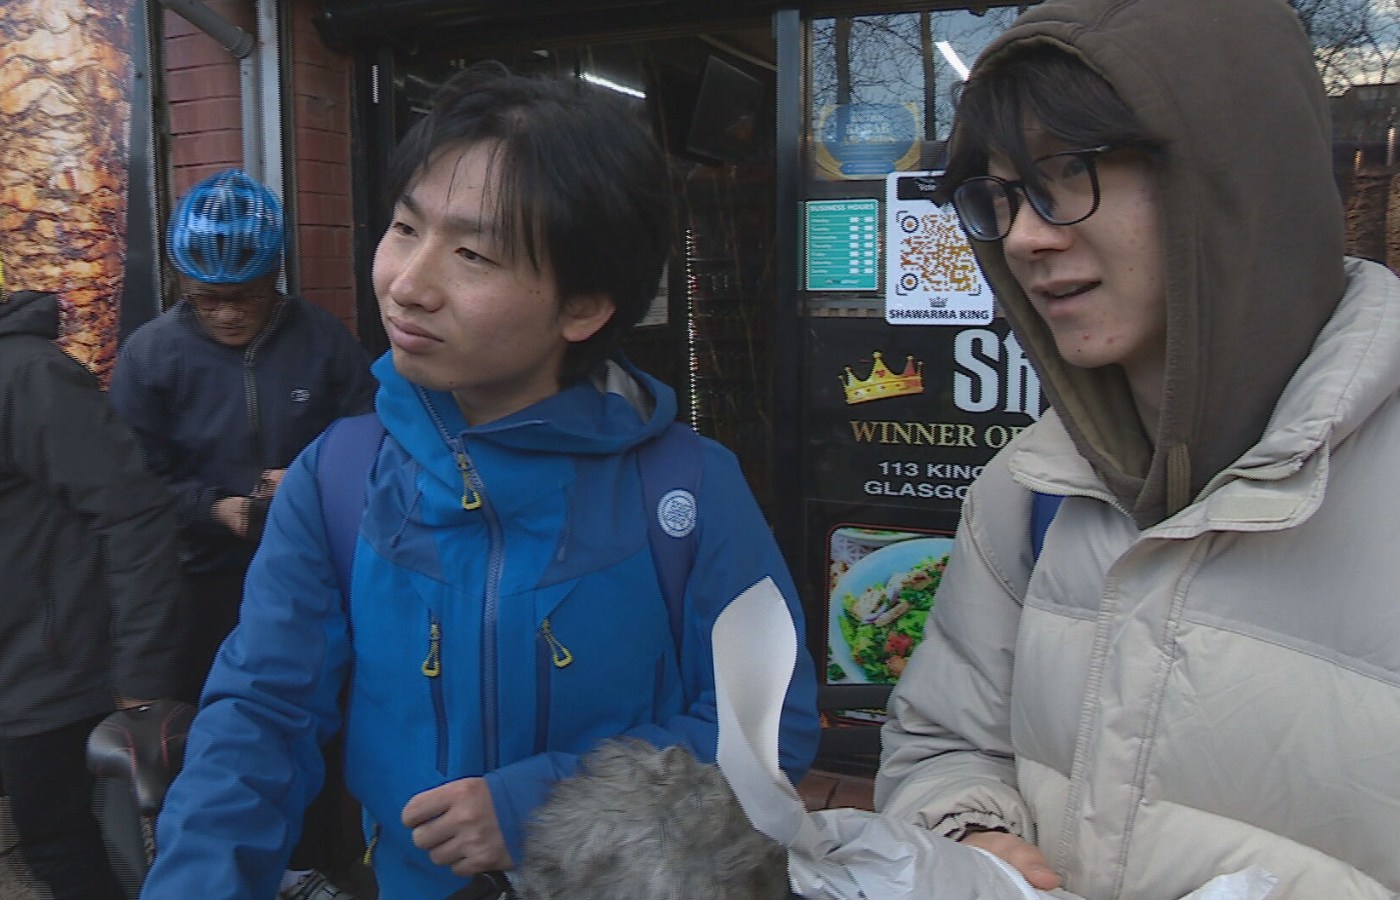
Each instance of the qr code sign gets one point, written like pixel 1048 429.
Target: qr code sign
pixel 934 257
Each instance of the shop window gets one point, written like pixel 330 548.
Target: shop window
pixel 882 87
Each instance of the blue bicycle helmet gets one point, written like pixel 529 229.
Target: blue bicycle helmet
pixel 227 230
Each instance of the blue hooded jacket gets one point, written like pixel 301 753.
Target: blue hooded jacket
pixel 502 640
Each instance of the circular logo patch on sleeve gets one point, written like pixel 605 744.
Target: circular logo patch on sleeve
pixel 676 513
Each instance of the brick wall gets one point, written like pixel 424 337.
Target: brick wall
pixel 202 88
pixel 320 111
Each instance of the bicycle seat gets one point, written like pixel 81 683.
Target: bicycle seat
pixel 144 746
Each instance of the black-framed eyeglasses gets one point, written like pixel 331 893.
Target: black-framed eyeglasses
pixel 1065 191
pixel 208 304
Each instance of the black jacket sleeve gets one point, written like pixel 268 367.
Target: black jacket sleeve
pixel 139 394
pixel 68 440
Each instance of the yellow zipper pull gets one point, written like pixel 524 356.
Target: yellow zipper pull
pixel 560 653
pixel 432 666
pixel 470 498
pixel 368 858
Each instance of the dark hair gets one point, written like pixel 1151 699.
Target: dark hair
pixel 647 824
pixel 1038 84
pixel 582 185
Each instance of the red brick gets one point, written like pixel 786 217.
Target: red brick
pixel 308 47
pixel 323 146
pixel 316 177
pixel 205 115
pixel 337 301
pixel 320 81
pixel 318 272
pixel 330 241
pixel 202 83
pixel 176 25
pixel 192 50
pixel 207 148
pixel 307 44
pixel 325 209
pixel 319 113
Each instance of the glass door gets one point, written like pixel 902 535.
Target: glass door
pixel 911 382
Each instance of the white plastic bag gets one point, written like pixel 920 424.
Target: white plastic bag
pixel 849 854
pixel 1252 883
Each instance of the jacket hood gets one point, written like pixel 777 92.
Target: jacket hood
pixel 1251 221
pixel 30 312
pixel 616 409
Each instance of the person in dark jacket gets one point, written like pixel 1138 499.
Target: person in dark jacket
pixel 89 576
pixel 226 387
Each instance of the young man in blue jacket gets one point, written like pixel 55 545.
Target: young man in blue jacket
pixel 504 614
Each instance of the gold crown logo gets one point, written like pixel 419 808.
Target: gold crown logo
pixel 883 383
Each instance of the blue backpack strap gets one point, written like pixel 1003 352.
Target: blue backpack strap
pixel 342 469
pixel 1043 509
pixel 671 465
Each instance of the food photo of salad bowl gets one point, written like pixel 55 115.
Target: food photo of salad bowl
pixel 878 608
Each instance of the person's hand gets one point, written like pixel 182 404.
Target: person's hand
pixel 1024 857
pixel 268 483
pixel 232 513
pixel 456 824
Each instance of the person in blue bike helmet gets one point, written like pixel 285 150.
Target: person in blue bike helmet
pixel 228 230
pixel 225 240
pixel 224 390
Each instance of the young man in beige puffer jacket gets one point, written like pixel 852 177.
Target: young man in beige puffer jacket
pixel 1200 670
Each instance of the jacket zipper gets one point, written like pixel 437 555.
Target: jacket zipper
pixel 491 714
pixel 250 388
pixel 474 498
pixel 371 845
pixel 559 654
pixel 471 497
pixel 250 397
pixel 432 670
pixel 552 654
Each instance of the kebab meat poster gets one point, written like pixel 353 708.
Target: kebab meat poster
pixel 65 111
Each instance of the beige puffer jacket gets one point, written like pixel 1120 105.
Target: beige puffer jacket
pixel 1219 689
